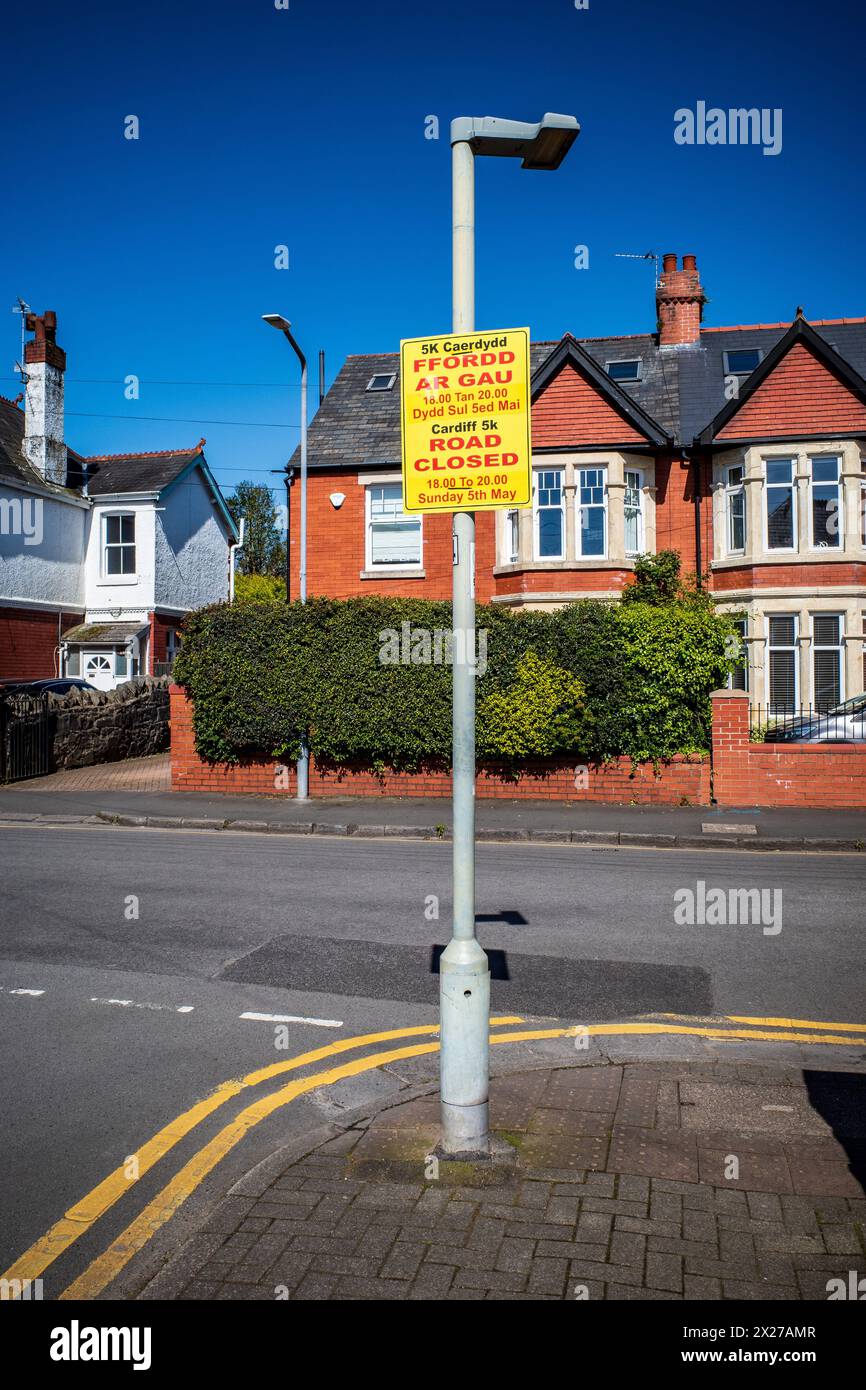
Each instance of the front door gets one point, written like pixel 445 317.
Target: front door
pixel 98 668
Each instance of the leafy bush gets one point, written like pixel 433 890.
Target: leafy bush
pixel 259 588
pixel 542 712
pixel 589 679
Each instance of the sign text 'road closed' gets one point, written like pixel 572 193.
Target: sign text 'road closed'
pixel 464 402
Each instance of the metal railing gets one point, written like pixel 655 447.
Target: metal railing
pixel 806 724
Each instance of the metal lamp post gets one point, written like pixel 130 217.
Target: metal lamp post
pixel 277 321
pixel 464 981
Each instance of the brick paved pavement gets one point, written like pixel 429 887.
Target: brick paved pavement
pixel 621 1188
pixel 151 774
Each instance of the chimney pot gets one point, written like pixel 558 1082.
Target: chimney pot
pixel 669 262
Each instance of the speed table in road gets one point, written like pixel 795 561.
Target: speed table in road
pixel 464 401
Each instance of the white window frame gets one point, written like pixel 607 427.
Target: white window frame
pixel 512 536
pixel 794 647
pixel 818 458
pixel 795 521
pixel 579 509
pixel 641 513
pixel 735 490
pixel 838 648
pixel 126 577
pixel 538 473
pixel 390 377
pixel 401 567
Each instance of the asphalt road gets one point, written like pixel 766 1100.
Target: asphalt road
pixel 148 946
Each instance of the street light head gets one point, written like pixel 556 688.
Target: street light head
pixel 540 146
pixel 556 135
pixel 277 321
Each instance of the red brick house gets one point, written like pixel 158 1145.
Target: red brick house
pixel 739 447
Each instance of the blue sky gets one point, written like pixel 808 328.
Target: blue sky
pixel 306 127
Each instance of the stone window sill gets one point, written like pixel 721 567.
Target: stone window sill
pixel 394 572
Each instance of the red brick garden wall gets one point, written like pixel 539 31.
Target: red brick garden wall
pixel 780 774
pixel 556 780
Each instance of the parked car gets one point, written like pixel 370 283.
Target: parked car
pixel 845 723
pixel 59 685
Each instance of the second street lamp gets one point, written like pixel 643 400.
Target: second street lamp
pixel 464 974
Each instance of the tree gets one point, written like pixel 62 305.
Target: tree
pixel 264 549
pixel 657 582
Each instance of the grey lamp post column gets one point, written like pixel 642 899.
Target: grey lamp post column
pixel 277 321
pixel 464 979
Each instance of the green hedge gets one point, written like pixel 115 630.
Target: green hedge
pixel 590 679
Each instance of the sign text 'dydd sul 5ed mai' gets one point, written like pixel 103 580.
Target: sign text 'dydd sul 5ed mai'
pixel 464 402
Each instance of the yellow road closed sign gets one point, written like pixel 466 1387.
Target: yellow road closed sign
pixel 464 414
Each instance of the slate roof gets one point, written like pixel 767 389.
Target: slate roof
pixel 113 473
pixel 682 388
pixel 14 467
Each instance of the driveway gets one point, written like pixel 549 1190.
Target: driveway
pixel 132 774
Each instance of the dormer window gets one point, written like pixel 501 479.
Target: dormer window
pixel 383 381
pixel 626 370
pixel 742 361
pixel 118 543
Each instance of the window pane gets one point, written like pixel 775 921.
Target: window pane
pixel 826 630
pixel 128 562
pixel 782 681
pixel 112 529
pixel 550 533
pixel 624 371
pixel 745 360
pixel 395 542
pixel 736 521
pixel 783 631
pixel 780 518
pixel 592 531
pixel 825 470
pixel 114 560
pixel 73 661
pixel 127 528
pixel 779 471
pixel 827 679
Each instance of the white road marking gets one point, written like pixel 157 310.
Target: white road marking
pixel 292 1018
pixel 33 993
pixel 133 1004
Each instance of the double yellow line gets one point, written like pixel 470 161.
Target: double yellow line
pixel 80 1218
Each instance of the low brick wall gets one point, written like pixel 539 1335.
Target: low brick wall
pixel 675 783
pixel 106 726
pixel 820 775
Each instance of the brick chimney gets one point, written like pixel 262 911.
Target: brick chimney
pixel 44 363
pixel 679 302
